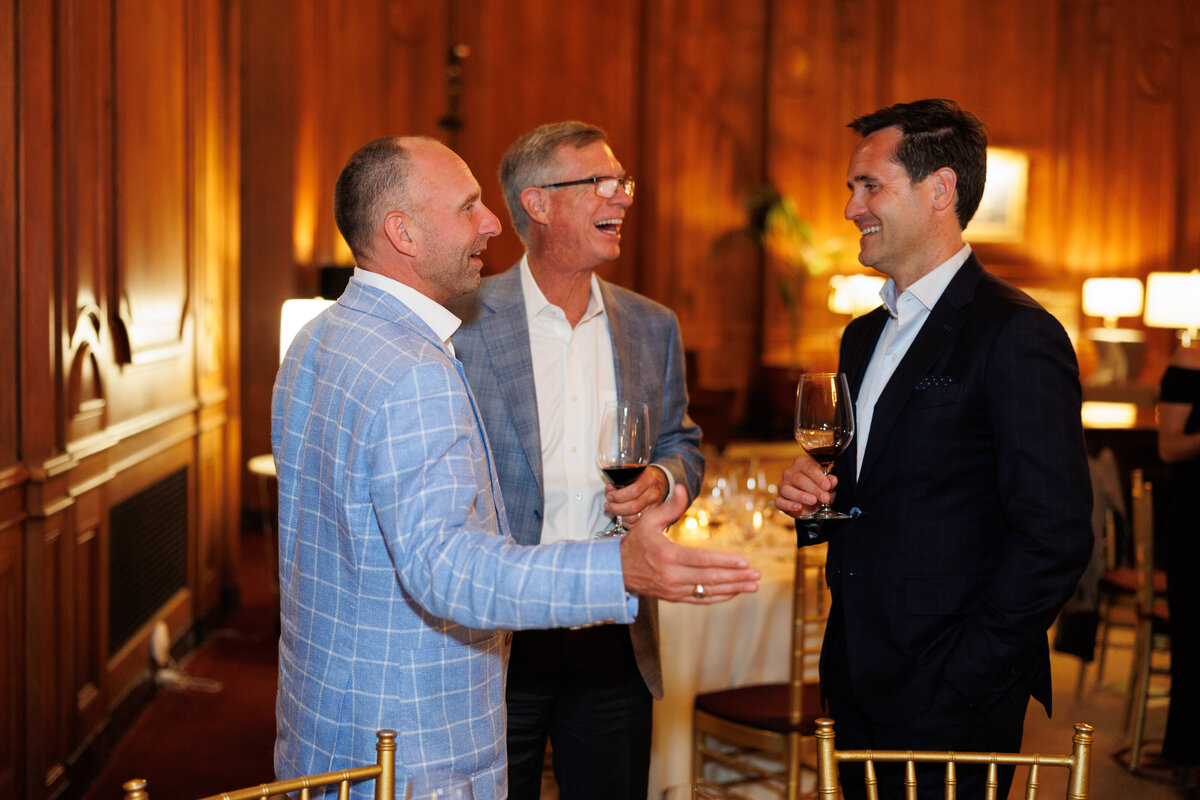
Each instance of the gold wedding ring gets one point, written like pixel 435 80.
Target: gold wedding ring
pixel 698 591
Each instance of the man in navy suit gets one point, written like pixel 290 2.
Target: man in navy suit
pixel 544 346
pixel 967 482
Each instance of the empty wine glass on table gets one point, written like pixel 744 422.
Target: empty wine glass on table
pixel 824 424
pixel 623 452
pixel 439 785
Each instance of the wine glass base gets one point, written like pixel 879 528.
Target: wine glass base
pixel 611 532
pixel 817 516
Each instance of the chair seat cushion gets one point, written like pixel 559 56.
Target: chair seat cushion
pixel 1124 579
pixel 763 706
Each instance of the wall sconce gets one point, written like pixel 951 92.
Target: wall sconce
pixel 294 314
pixel 854 294
pixel 1173 301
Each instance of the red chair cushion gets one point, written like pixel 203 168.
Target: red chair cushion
pixel 763 706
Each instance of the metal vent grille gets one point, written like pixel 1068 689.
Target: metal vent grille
pixel 147 555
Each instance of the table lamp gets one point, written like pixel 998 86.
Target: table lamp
pixel 294 314
pixel 1119 350
pixel 854 294
pixel 1173 301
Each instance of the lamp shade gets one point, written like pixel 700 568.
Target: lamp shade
pixel 1173 301
pixel 854 294
pixel 294 314
pixel 1111 298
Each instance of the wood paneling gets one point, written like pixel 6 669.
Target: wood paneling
pixel 118 195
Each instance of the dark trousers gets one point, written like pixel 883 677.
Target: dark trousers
pixel 949 724
pixel 581 688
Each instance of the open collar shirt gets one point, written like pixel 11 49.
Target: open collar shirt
pixel 574 375
pixel 906 315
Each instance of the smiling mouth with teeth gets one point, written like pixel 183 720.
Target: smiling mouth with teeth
pixel 869 230
pixel 610 225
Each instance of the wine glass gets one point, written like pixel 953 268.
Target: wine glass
pixel 439 785
pixel 824 424
pixel 624 449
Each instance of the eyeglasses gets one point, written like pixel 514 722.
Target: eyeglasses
pixel 605 187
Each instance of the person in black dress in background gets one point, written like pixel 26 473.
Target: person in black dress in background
pixel 1179 447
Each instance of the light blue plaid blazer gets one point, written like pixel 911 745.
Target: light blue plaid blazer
pixel 396 567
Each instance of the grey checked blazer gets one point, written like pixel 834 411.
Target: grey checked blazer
pixel 395 564
pixel 493 344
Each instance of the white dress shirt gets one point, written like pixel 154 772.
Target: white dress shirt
pixel 431 312
pixel 574 375
pixel 907 313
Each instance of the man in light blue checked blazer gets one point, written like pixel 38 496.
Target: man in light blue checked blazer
pixel 398 575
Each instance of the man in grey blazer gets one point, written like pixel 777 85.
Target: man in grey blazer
pixel 545 345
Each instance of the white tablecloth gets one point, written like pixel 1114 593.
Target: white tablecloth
pixel 743 641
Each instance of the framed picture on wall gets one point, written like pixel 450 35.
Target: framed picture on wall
pixel 1001 214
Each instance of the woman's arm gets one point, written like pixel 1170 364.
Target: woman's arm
pixel 1173 444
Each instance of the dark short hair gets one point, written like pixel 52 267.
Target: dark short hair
pixel 374 181
pixel 532 160
pixel 937 133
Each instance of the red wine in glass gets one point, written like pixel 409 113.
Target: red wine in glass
pixel 623 452
pixel 623 474
pixel 824 424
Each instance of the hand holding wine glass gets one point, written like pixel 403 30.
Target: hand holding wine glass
pixel 824 424
pixel 623 452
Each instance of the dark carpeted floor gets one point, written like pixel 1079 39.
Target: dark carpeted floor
pixel 215 730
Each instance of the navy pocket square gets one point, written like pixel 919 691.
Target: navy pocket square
pixel 930 381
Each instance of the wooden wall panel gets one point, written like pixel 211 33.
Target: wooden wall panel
pixel 115 194
pixel 704 143
pixel 9 396
pixel 151 138
pixel 542 61
pixel 12 648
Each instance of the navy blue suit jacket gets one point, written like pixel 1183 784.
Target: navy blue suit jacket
pixel 972 508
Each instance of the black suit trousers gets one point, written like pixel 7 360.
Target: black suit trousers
pixel 949 724
pixel 582 688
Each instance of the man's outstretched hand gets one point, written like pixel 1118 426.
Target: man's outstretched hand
pixel 654 566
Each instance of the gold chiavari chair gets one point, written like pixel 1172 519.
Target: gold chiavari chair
pixel 828 757
pixel 1153 618
pixel 383 772
pixel 756 734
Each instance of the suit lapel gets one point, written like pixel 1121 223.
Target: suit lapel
pixel 867 334
pixel 627 365
pixel 944 321
pixel 505 332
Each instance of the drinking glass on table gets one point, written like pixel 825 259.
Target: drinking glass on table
pixel 824 424
pixel 439 785
pixel 623 452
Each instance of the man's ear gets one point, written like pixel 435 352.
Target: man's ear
pixel 534 200
pixel 397 227
pixel 945 184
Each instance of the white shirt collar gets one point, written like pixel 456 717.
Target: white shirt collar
pixel 536 302
pixel 928 290
pixel 443 322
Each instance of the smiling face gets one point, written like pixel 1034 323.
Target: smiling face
pixel 582 228
pixel 900 232
pixel 451 224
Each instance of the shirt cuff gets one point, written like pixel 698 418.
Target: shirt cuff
pixel 670 479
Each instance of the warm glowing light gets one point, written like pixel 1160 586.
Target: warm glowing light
pixel 294 314
pixel 854 294
pixel 1108 415
pixel 1111 298
pixel 1173 301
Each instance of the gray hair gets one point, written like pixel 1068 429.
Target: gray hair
pixel 532 160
